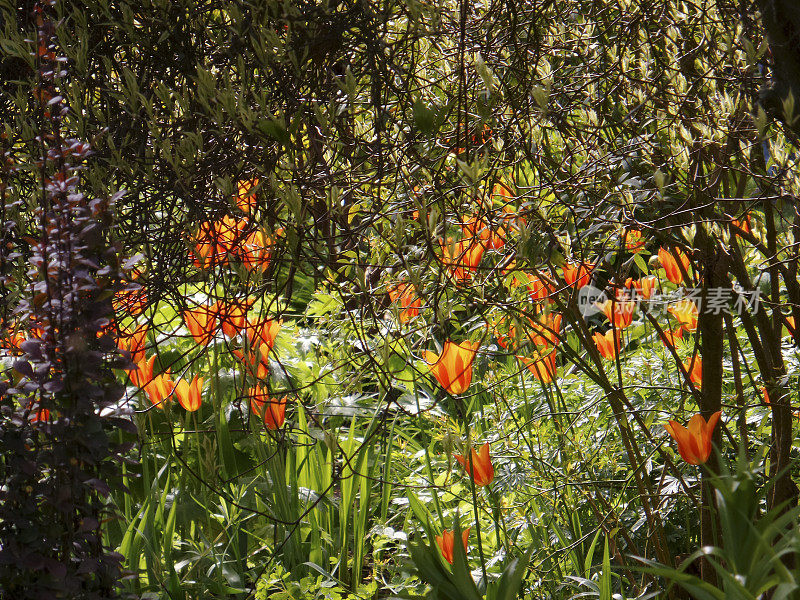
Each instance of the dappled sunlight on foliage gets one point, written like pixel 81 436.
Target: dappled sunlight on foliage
pixel 455 300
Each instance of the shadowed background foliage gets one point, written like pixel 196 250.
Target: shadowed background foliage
pixel 370 132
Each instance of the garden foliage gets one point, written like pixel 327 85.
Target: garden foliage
pixel 393 299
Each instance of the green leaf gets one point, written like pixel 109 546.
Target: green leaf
pixel 276 129
pixel 587 562
pixel 420 512
pixel 641 263
pixel 605 576
pixel 424 117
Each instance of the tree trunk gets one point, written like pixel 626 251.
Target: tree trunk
pixel 714 266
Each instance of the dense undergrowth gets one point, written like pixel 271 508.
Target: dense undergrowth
pixel 377 276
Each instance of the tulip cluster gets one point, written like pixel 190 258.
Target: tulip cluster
pixel 461 258
pixel 216 242
pixel 477 231
pixel 231 316
pixel 260 337
pixel 541 332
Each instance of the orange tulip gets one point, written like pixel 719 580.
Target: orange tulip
pixel 11 341
pixel 790 325
pixel 232 315
pixel 478 137
pixel 481 466
pixel 130 302
pixel 255 251
pixel 502 191
pixel 204 255
pixel 133 341
pixel 262 332
pixel 257 360
pixel 507 338
pixel 743 223
pixel 271 411
pixel 474 229
pixel 686 313
pixel 633 241
pixel 694 443
pixel 142 374
pixel 644 287
pixel 446 540
pixel 620 313
pixel 208 251
pixel 545 330
pixel 42 415
pixel 477 231
pixel 538 288
pixel 245 195
pixel 765 398
pixel 695 371
pixel 215 240
pixel 229 233
pixel 577 275
pixel 503 195
pixel 462 259
pixel 410 303
pixel 453 368
pixel 543 366
pixel 504 341
pixel 201 323
pixel 669 336
pixel 608 344
pixel 189 394
pixel 669 260
pixel 159 389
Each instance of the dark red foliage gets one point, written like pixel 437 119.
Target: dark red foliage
pixel 61 407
